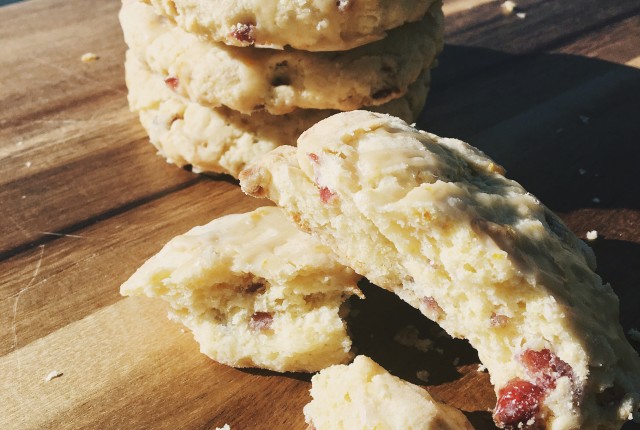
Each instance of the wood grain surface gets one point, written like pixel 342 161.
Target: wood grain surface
pixel 84 200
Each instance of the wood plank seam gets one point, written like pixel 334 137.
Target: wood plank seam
pixel 67 231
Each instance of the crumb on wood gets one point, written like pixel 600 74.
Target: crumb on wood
pixel 508 7
pixel 409 336
pixel 52 375
pixel 592 235
pixel 521 15
pixel 88 57
pixel 224 427
pixel 423 375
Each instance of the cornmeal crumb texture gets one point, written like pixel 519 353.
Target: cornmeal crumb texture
pixel 255 292
pixel 435 221
pixel 363 395
pixel 314 25
pixel 280 81
pixel 221 140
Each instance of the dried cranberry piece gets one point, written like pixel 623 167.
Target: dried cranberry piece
pixel 326 195
pixel 314 157
pixel 172 82
pixel 256 287
pixel 518 405
pixel 545 367
pixel 244 32
pixel 261 321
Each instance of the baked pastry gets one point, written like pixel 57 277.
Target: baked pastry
pixel 363 395
pixel 319 25
pixel 255 292
pixel 435 221
pixel 280 81
pixel 219 140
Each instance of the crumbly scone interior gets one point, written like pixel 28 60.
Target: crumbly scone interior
pixel 364 395
pixel 435 221
pixel 255 292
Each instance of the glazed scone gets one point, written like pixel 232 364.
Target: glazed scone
pixel 364 396
pixel 252 79
pixel 255 292
pixel 435 221
pixel 221 140
pixel 311 25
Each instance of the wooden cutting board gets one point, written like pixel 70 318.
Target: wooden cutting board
pixel 84 201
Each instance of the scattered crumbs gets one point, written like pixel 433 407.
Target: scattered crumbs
pixel 182 330
pixel 422 375
pixel 27 164
pixel 582 171
pixel 456 361
pixel 225 427
pixel 592 235
pixel 584 119
pixel 408 336
pixel 88 57
pixel 23 197
pixel 508 7
pixel 595 200
pixel 521 15
pixel 634 334
pixel 20 143
pixel 482 368
pixel 52 375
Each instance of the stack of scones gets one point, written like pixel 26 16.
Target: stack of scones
pixel 218 84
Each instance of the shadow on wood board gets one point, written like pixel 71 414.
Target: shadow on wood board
pixel 564 126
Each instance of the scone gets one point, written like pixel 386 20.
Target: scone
pixel 255 292
pixel 219 140
pixel 317 25
pixel 280 81
pixel 364 396
pixel 435 221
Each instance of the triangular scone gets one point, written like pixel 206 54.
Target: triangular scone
pixel 435 221
pixel 255 292
pixel 363 396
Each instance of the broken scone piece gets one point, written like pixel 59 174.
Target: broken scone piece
pixel 435 221
pixel 364 396
pixel 255 292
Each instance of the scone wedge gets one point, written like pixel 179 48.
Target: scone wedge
pixel 363 395
pixel 437 222
pixel 255 292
